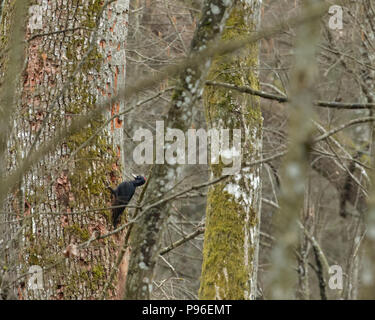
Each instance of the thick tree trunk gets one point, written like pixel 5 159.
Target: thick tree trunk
pixel 230 254
pixel 75 58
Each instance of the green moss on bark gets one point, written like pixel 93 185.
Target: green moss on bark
pixel 89 169
pixel 222 254
pixel 94 163
pixel 229 217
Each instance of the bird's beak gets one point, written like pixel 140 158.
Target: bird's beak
pixel 134 176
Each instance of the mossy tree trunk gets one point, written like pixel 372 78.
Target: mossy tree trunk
pixel 147 234
pixel 75 58
pixel 230 253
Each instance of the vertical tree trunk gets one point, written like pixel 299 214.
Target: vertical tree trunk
pixel 296 167
pixel 230 253
pixel 12 30
pixel 147 234
pixel 75 58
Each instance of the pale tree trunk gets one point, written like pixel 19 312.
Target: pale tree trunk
pixel 147 233
pixel 12 28
pixel 295 169
pixel 230 253
pixel 75 58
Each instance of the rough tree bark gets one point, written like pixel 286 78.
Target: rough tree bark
pixel 75 58
pixel 147 234
pixel 230 254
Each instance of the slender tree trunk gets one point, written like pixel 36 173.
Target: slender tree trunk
pixel 147 234
pixel 296 166
pixel 230 254
pixel 12 28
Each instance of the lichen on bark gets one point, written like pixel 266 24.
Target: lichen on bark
pixel 51 90
pixel 147 234
pixel 230 253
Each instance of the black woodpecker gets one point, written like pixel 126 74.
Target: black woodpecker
pixel 122 195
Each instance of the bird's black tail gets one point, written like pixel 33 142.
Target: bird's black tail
pixel 117 212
